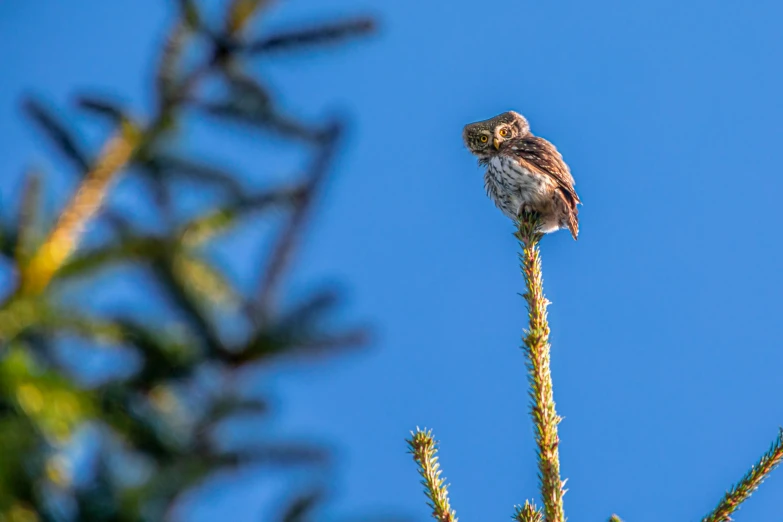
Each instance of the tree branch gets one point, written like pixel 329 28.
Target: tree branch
pixel 425 452
pixel 748 484
pixel 536 347
pixel 282 253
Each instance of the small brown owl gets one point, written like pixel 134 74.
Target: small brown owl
pixel 525 173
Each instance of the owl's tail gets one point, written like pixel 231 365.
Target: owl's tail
pixel 573 223
pixel 569 214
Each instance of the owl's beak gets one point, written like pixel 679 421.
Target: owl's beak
pixel 496 143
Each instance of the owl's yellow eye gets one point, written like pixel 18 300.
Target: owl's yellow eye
pixel 504 132
pixel 484 138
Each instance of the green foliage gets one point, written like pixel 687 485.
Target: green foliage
pixel 154 429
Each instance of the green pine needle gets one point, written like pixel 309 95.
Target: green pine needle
pixel 528 513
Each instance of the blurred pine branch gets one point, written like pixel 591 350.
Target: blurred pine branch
pixel 152 430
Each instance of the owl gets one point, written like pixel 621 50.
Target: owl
pixel 525 173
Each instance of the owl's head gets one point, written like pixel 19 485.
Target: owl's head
pixel 483 138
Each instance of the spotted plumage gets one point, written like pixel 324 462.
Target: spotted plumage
pixel 524 173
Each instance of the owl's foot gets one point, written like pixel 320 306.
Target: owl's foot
pixel 524 209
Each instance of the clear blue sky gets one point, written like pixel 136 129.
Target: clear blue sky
pixel 666 313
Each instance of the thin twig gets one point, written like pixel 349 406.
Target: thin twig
pixel 320 35
pixel 282 254
pixel 748 484
pixel 425 452
pixel 57 132
pixel 536 347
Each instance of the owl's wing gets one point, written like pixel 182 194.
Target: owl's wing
pixel 538 155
